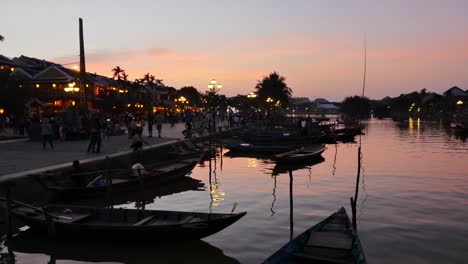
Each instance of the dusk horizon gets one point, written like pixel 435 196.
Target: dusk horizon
pixel 318 47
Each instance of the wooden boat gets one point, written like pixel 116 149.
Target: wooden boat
pixel 141 197
pixel 331 241
pixel 85 223
pixel 247 147
pixel 300 154
pixel 79 184
pixel 189 150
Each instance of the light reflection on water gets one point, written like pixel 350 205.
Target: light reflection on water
pixel 412 206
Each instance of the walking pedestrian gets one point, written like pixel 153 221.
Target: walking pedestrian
pixel 150 124
pixel 95 135
pixel 159 121
pixel 47 133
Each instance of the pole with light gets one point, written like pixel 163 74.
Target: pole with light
pixel 252 96
pixel 269 100
pixel 71 88
pixel 213 88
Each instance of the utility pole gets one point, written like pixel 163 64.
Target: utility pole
pixel 83 70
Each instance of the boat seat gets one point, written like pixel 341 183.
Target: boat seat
pixel 186 219
pixel 332 227
pixel 77 218
pixel 337 240
pixel 145 220
pixel 311 258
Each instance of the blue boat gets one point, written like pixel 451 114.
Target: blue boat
pixel 331 241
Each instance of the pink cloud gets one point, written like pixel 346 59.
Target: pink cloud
pixel 328 66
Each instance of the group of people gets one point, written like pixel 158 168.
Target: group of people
pixel 99 125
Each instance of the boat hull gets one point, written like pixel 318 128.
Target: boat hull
pixel 123 224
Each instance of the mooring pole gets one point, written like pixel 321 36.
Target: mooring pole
pixel 291 209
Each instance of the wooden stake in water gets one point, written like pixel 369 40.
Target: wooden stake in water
pixel 291 222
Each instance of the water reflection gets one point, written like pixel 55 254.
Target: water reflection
pixel 274 195
pixel 334 160
pixel 216 192
pixel 27 247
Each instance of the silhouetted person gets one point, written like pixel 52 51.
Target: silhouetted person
pixel 95 135
pixel 137 140
pixel 159 121
pixel 47 133
pixel 188 129
pixel 150 124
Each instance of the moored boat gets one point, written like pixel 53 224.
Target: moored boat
pixel 73 185
pixel 261 149
pixel 331 241
pixel 301 154
pixel 84 223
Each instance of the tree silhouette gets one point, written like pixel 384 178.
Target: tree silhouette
pixel 2 38
pixel 356 106
pixel 117 72
pixel 124 76
pixel 274 86
pixel 192 95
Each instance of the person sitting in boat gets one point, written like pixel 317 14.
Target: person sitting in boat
pixel 138 169
pixel 137 140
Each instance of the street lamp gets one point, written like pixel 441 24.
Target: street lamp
pixel 182 99
pixel 71 88
pixel 269 100
pixel 252 95
pixel 213 88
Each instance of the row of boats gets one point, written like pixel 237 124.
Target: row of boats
pixel 91 223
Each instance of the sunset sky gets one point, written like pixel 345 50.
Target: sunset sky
pixel 317 45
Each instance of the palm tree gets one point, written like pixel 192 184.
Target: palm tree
pixel 124 76
pixel 274 86
pixel 117 72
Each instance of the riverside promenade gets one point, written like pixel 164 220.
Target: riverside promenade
pixel 21 157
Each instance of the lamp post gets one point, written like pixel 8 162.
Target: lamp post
pixel 213 88
pixel 252 96
pixel 269 100
pixel 71 89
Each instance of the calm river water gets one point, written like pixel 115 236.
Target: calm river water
pixel 412 206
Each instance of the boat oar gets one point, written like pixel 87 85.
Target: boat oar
pixel 37 209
